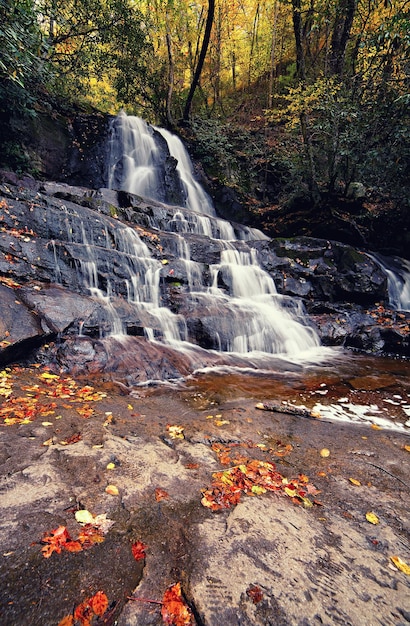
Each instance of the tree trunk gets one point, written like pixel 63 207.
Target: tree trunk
pixel 170 77
pixel 341 32
pixel 202 55
pixel 303 116
pixel 273 54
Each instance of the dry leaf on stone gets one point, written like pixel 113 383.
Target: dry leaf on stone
pixel 372 518
pixel 138 550
pixel 175 611
pixel 401 565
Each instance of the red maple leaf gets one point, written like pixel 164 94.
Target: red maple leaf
pixel 255 593
pixel 59 539
pixel 138 550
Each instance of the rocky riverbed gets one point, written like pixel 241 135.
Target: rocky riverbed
pixel 147 458
pixel 280 516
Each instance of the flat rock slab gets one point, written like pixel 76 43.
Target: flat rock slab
pixel 266 561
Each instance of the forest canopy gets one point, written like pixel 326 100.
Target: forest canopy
pixel 332 75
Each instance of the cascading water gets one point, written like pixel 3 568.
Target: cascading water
pixel 230 304
pixel 397 271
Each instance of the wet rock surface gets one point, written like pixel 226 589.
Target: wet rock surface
pixel 265 561
pixel 61 245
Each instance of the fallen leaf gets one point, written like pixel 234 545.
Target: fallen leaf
pixel 99 603
pixel 324 452
pixel 355 482
pixel 407 448
pixel 175 611
pixel 401 565
pixel 89 535
pixel 84 517
pixel 161 494
pixel 112 490
pixel 57 540
pixel 372 518
pixel 175 432
pixel 138 550
pixel 255 593
pixel 73 439
pixel 90 608
pixel 110 466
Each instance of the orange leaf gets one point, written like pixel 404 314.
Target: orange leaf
pixel 161 494
pixel 68 620
pixel 138 550
pixel 56 541
pixel 99 603
pixel 175 611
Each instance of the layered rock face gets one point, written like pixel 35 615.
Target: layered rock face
pixel 74 263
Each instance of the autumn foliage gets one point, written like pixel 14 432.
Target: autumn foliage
pixel 255 477
pixel 84 613
pixel 59 540
pixel 175 611
pixel 43 397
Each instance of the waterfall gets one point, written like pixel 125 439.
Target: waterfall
pixel 229 302
pixel 397 271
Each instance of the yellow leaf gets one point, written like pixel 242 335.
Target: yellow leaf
pixel 111 466
pixel 257 489
pixel 376 427
pixel 290 492
pixel 324 452
pixel 401 565
pixel 49 442
pixel 355 482
pixel 164 262
pixel 176 432
pixel 112 490
pixel 221 422
pixel 84 517
pixel 407 448
pixel 130 407
pixel 372 518
pixel 48 376
pixel 46 423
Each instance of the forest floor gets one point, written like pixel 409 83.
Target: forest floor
pixel 308 552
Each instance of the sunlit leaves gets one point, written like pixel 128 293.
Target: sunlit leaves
pixel 372 518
